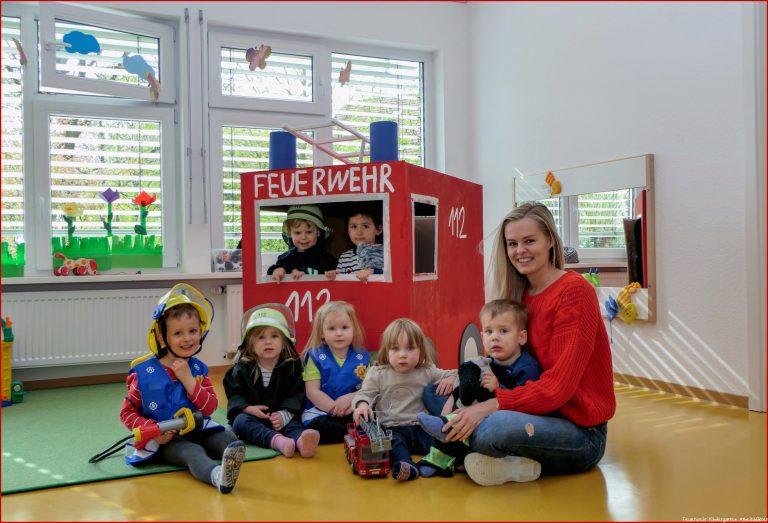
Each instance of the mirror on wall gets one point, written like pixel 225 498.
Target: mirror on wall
pixel 605 212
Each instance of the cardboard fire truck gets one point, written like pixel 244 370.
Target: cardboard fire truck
pixel 433 266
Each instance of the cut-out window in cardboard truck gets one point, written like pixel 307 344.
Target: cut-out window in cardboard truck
pixel 433 269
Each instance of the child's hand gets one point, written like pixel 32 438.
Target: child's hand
pixel 363 410
pixel 489 381
pixel 444 386
pixel 276 420
pixel 297 274
pixel 330 275
pixel 363 275
pixel 181 368
pixel 162 439
pixel 278 274
pixel 260 411
pixel 342 405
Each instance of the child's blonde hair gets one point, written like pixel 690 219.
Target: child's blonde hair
pixel 247 354
pixel 316 337
pixel 412 332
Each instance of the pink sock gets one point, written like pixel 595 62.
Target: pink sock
pixel 307 443
pixel 286 446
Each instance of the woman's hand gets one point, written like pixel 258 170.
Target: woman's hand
pixel 461 426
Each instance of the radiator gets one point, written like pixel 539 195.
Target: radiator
pixel 76 327
pixel 234 314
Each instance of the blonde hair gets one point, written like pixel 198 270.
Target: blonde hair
pixel 508 282
pixel 413 334
pixel 316 337
pixel 247 353
pixel 518 310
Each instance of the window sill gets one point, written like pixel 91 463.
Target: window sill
pixel 112 280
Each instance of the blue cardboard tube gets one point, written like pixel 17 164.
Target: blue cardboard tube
pixel 384 141
pixel 282 150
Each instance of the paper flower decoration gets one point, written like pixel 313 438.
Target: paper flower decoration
pixel 71 211
pixel 109 196
pixel 143 200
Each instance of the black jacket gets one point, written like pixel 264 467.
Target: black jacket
pixel 285 390
pixel 315 258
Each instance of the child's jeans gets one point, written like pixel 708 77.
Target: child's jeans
pixel 407 439
pixel 257 431
pixel 432 401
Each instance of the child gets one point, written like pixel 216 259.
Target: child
pixel 364 228
pixel 171 378
pixel 507 366
pixel 335 364
pixel 395 383
pixel 305 232
pixel 264 386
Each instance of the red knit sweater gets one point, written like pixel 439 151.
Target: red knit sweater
pixel 567 335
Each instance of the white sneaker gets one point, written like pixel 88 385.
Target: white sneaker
pixel 485 470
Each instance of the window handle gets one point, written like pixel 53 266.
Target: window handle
pixel 52 46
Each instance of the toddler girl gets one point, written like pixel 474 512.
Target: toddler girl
pixel 264 386
pixel 396 383
pixel 335 364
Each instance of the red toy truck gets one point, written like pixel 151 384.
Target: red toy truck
pixel 367 451
pixel 433 268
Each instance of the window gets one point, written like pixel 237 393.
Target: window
pixel 298 85
pixel 12 155
pixel 424 237
pixel 104 166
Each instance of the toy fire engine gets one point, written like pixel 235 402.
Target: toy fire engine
pixel 367 448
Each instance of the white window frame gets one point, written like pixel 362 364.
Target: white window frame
pixel 50 12
pixel 321 67
pixel 42 227
pixel 217 120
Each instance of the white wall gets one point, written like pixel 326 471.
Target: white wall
pixel 566 84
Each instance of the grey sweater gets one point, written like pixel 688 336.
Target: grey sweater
pixel 396 397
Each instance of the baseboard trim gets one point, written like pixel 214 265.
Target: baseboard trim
pixel 684 390
pixel 74 382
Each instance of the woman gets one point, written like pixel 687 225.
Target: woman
pixel 558 424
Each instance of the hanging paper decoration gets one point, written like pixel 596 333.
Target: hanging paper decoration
pixel 22 54
pixel 344 74
pixel 554 184
pixel 81 43
pixel 137 65
pixel 257 57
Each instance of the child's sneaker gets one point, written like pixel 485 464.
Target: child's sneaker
pixel 230 466
pixel 485 470
pixel 404 471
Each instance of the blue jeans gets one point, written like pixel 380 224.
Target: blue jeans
pixel 560 446
pixel 432 401
pixel 407 439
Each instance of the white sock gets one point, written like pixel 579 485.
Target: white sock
pixel 216 476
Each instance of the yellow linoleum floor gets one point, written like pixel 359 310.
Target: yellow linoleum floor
pixel 668 458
